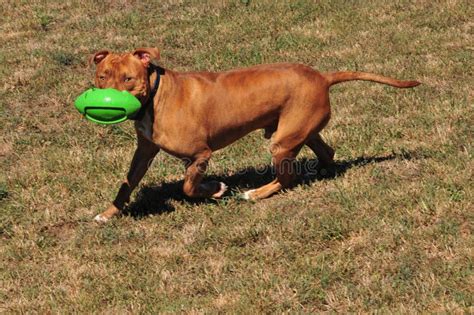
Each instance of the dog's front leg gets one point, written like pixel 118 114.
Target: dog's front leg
pixel 195 169
pixel 141 161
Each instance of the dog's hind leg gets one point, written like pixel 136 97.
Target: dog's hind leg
pixel 322 150
pixel 284 152
pixel 195 170
pixel 315 142
pixel 293 132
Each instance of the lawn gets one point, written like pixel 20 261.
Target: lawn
pixel 387 229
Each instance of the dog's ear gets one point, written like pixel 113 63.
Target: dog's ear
pixel 98 56
pixel 146 55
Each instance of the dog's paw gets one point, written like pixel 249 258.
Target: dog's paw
pixel 100 219
pixel 248 195
pixel 222 190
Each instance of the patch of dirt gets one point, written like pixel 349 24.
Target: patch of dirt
pixel 61 231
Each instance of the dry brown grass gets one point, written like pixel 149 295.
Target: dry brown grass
pixel 389 229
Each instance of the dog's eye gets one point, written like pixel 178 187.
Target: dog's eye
pixel 102 77
pixel 128 79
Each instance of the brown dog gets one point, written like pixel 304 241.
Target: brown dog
pixel 190 115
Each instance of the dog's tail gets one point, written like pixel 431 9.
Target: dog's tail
pixel 338 77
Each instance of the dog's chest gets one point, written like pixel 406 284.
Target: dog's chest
pixel 145 126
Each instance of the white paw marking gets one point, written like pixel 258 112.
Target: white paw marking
pixel 221 191
pixel 100 218
pixel 248 194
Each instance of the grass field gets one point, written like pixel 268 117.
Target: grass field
pixel 388 229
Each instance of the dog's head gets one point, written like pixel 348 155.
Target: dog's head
pixel 127 71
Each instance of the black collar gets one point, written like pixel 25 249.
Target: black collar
pixel 159 71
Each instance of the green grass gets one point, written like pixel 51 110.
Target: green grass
pixel 389 229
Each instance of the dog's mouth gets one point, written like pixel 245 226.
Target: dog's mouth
pixel 143 98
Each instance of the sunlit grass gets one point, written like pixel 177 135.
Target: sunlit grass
pixel 388 229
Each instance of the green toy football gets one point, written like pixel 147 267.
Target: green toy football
pixel 107 106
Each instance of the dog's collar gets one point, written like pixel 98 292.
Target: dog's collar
pixel 158 72
pixel 153 91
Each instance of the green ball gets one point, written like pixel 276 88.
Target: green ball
pixel 107 106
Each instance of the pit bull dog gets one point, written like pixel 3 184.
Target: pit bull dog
pixel 192 114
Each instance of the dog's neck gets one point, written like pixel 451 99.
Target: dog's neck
pixel 151 70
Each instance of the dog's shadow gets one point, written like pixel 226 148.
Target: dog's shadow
pixel 155 199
